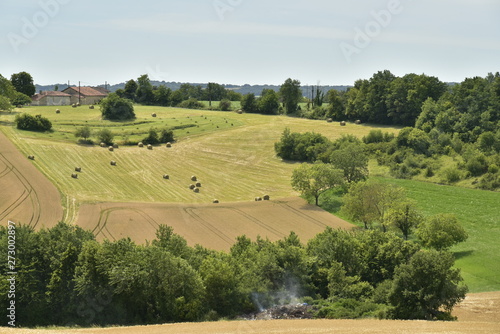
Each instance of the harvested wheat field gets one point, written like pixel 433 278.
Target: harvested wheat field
pixel 27 196
pixel 479 313
pixel 214 226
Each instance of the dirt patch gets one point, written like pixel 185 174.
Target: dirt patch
pixel 214 226
pixel 27 196
pixel 291 327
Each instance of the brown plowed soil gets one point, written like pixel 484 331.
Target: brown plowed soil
pixel 479 313
pixel 214 226
pixel 26 195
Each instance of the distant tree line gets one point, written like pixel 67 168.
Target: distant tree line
pixel 65 277
pixel 454 135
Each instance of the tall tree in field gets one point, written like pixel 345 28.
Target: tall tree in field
pixel 249 103
pixel 352 160
pixel 144 93
pixel 23 83
pixel 268 103
pixel 313 180
pixel 291 94
pixel 369 202
pixel 404 216
pixel 6 88
pixel 130 89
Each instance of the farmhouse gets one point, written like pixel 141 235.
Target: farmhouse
pixel 85 95
pixel 51 98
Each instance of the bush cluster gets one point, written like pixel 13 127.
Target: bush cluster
pixel 33 123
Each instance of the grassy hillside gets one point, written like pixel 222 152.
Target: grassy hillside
pixel 232 155
pixel 477 210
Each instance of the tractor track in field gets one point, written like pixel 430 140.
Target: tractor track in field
pixel 191 212
pixel 28 193
pixel 102 223
pixel 22 187
pixel 258 222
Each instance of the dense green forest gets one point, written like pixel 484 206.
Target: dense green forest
pixel 65 277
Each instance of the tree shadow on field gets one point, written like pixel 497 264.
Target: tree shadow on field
pixel 459 255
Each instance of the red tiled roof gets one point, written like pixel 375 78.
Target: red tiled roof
pixel 37 97
pixel 86 91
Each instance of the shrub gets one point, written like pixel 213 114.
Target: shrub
pixel 489 181
pixel 83 132
pixel 152 138
pixel 105 136
pixel 114 107
pixel 225 105
pixel 300 146
pixel 191 104
pixel 33 123
pixel 451 175
pixel 166 136
pixel 374 136
pixel 477 165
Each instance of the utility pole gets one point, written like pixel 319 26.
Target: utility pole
pixel 79 92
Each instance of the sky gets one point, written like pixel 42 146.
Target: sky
pixel 326 42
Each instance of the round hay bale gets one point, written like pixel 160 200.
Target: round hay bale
pixel 329 120
pixel 343 123
pixel 198 184
pixel 358 121
pixel 192 186
pixel 31 157
pixel 102 144
pixel 267 198
pixel 78 104
pixel 215 201
pixel 258 199
pixel 91 107
pixel 169 144
pixel 153 115
pixel 74 175
pixel 194 178
pixel 140 144
pixel 113 163
pixel 115 145
pixel 78 169
pixel 73 105
pixel 239 111
pixel 196 190
pixel 150 147
pixel 111 148
pixel 58 111
pixel 166 176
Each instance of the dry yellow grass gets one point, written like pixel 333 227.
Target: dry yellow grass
pixel 214 226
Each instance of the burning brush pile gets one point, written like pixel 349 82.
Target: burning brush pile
pixel 295 311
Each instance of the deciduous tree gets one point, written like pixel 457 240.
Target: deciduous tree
pixel 425 286
pixel 313 180
pixel 441 231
